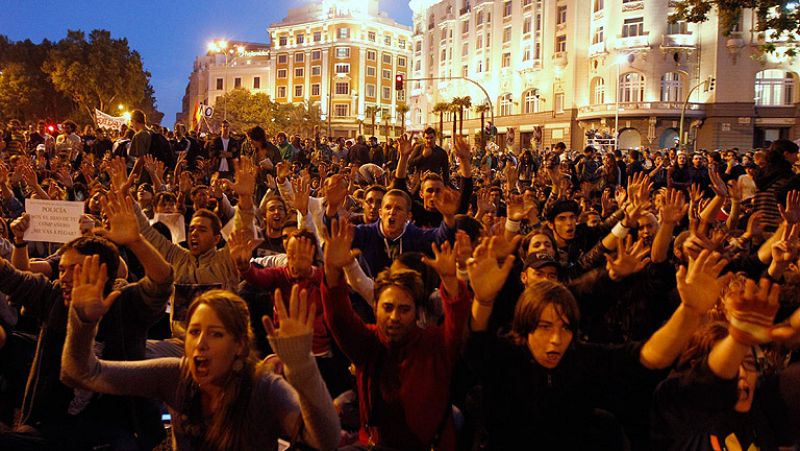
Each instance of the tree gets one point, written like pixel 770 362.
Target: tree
pixel 386 116
pixel 454 107
pixel 402 109
pixel 246 110
pixel 779 18
pixel 482 109
pixel 99 73
pixel 440 108
pixel 372 111
pixel 464 103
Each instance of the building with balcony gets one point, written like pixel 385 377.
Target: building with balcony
pixel 562 70
pixel 341 56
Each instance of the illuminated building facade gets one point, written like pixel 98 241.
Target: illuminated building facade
pixel 341 56
pixel 556 70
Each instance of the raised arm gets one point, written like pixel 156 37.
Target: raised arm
pixel 487 278
pixel 673 209
pixel 699 289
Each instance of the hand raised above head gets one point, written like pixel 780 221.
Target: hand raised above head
pixel 88 283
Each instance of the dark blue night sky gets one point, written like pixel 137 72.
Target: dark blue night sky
pixel 168 34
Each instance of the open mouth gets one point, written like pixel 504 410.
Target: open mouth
pixel 553 357
pixel 201 365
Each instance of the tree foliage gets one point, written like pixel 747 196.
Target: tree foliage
pixel 100 73
pixel 779 18
pixel 246 110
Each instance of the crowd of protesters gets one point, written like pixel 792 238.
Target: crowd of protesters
pixel 237 291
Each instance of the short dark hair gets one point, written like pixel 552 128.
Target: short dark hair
pixel 535 299
pixel 372 188
pixel 560 145
pixel 216 224
pixel 430 131
pixel 406 279
pixel 95 245
pixel 257 134
pixel 399 193
pixel 138 116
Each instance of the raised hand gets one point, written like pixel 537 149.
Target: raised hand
pixel 462 150
pixel 791 213
pixel 516 208
pixel 302 191
pixel 283 170
pixel 620 195
pixel 20 226
pixel 485 274
pixel 123 226
pixel 630 259
pixel 717 184
pixel 447 202
pixel 338 243
pixel 673 207
pixel 695 193
pixel 484 203
pixel 405 146
pixel 88 282
pixel 335 192
pixel 240 247
pixel 444 263
pixel 463 249
pixel 297 321
pixel 751 313
pixel 246 171
pixel 118 173
pixel 699 285
pixel 785 251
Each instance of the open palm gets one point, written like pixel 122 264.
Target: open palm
pixel 298 320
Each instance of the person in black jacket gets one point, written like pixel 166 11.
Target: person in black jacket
pixel 225 149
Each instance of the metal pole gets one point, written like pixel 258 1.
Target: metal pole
pixel 225 88
pixel 488 99
pixel 616 112
pixel 681 141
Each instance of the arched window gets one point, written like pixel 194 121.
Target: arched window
pixel 598 90
pixel 504 105
pixel 631 87
pixel 775 87
pixel 672 87
pixel 531 98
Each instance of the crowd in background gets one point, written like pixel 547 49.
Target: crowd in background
pixel 231 289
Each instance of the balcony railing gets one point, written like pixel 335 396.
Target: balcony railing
pixel 674 107
pixel 632 42
pixel 679 41
pixel 597 49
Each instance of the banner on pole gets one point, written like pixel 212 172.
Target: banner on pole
pixel 53 221
pixel 109 121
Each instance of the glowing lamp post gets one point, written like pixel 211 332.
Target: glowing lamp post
pixel 217 47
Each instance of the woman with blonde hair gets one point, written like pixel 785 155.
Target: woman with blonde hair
pixel 219 396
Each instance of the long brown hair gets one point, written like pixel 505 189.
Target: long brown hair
pixel 534 300
pixel 230 427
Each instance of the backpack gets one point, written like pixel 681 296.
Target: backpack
pixel 161 149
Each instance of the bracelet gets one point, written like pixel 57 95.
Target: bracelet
pixel 512 226
pixel 20 245
pixel 619 230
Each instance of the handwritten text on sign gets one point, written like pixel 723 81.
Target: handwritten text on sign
pixel 53 221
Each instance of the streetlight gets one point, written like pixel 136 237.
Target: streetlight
pixel 216 47
pixel 621 59
pixel 709 84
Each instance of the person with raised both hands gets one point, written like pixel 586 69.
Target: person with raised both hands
pixel 219 397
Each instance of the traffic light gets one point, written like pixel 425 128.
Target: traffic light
pixel 399 79
pixel 711 82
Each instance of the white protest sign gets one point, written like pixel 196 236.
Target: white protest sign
pixel 109 121
pixel 53 221
pixel 175 224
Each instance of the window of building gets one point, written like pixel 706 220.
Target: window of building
pixel 344 32
pixel 672 87
pixel 370 71
pixel 526 3
pixel 678 27
pixel 317 36
pixel 387 40
pixel 343 52
pixel 316 70
pixel 597 37
pixel 298 90
pixel 299 57
pixel 505 104
pixel 371 36
pixel 370 90
pixel 386 58
pixel 256 82
pixel 561 15
pixel 507 7
pixel 538 22
pixel 526 25
pixel 282 73
pixel 431 22
pixel 775 87
pixel 386 73
pixel 598 91
pixel 315 89
pixel 283 40
pixel 506 35
pixel 342 88
pixel 299 72
pixel 401 43
pixel 479 66
pixel 631 87
pixel 531 101
pixel 465 49
pixel 558 102
pixel 561 43
pixel 465 27
pixel 282 59
pixel 633 27
pixel 300 38
pixel 506 61
pixel 479 18
pixel 401 61
pixel 479 42
pixel 537 50
pixel 465 71
pixel 219 83
pixel 386 93
pixel 316 55
pixel 526 54
pixel 342 68
pixel 417 65
pixel 281 91
pixel 372 55
pixel 597 5
pixel 237 82
pixel 444 55
pixel 486 65
pixel 341 110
